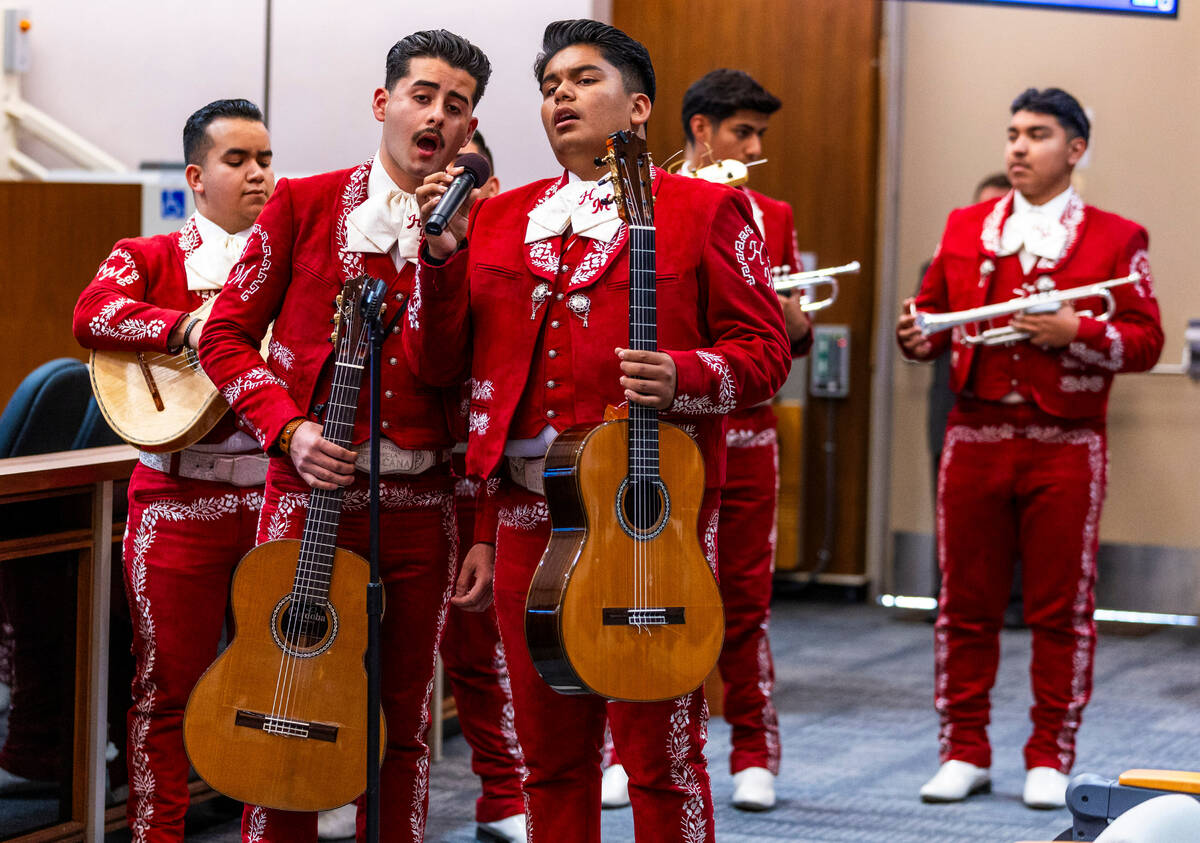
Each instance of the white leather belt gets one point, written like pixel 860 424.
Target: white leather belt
pixel 396 460
pixel 527 473
pixel 241 470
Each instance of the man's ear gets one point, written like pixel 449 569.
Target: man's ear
pixel 1076 147
pixel 640 107
pixel 193 175
pixel 379 101
pixel 702 129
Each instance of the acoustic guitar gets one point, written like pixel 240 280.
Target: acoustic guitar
pixel 280 718
pixel 155 401
pixel 623 603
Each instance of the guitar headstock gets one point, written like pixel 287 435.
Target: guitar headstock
pixel 358 304
pixel 632 175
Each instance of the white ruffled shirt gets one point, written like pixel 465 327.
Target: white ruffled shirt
pixel 389 222
pixel 586 206
pixel 1035 231
pixel 208 265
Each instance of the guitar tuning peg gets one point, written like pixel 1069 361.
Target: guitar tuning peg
pixel 339 300
pixel 333 337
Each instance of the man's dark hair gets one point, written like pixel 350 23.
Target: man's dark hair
pixel 1059 104
pixel 999 181
pixel 196 141
pixel 483 149
pixel 627 55
pixel 719 93
pixel 454 50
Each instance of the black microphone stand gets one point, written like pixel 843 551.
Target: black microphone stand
pixel 378 333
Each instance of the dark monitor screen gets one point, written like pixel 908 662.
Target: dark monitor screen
pixel 1157 8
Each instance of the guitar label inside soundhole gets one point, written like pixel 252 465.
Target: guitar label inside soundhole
pixel 304 627
pixel 643 508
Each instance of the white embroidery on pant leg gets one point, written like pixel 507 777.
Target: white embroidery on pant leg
pixel 281 519
pixel 523 516
pixel 421 783
pixel 508 727
pixel 954 435
pixel 1081 622
pixel 766 687
pixel 710 538
pixel 256 826
pixel 143 783
pixel 692 822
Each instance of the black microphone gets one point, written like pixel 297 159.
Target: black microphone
pixel 476 171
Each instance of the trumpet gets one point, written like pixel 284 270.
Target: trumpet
pixel 1046 300
pixel 808 282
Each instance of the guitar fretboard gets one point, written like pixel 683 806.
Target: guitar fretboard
pixel 319 541
pixel 643 336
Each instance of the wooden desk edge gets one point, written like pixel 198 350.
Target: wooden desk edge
pixel 64 469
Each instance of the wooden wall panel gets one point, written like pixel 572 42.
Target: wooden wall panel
pixel 820 57
pixel 53 238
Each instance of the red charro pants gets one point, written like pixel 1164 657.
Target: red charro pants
pixel 745 568
pixel 183 539
pixel 419 552
pixel 477 670
pixel 661 744
pixel 1016 480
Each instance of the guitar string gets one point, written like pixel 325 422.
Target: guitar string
pixel 322 503
pixel 342 394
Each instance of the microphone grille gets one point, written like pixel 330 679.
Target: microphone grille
pixel 476 165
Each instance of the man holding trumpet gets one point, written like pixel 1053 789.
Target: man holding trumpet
pixel 1024 465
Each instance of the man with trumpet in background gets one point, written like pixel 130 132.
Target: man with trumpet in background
pixel 1024 464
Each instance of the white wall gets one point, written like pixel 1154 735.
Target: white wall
pixel 126 73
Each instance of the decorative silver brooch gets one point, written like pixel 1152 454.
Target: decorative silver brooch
pixel 580 305
pixel 540 293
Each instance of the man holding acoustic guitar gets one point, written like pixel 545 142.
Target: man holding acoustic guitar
pixel 192 513
pixel 536 294
pixel 316 235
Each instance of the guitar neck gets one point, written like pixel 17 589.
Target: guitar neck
pixel 324 505
pixel 643 336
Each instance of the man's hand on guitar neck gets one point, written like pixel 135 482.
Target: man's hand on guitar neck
pixel 321 464
pixel 648 377
pixel 473 590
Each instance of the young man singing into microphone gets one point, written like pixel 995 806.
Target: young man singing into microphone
pixel 535 295
pixel 314 236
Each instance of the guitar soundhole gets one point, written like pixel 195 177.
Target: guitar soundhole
pixel 643 508
pixel 304 628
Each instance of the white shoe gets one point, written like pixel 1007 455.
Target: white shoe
pixel 508 830
pixel 614 787
pixel 754 789
pixel 337 824
pixel 955 781
pixel 1045 788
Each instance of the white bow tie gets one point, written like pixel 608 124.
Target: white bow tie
pixel 1040 235
pixel 208 265
pixel 586 205
pixel 385 220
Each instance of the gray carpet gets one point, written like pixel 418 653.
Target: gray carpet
pixel 854 696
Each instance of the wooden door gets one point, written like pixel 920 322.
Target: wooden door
pixel 821 58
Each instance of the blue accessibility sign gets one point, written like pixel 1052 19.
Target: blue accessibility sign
pixel 173 204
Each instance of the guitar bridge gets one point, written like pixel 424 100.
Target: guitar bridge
pixel 286 726
pixel 650 616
